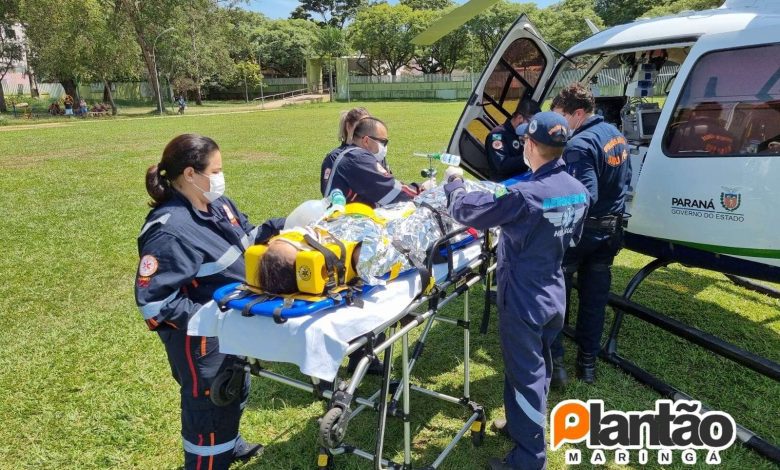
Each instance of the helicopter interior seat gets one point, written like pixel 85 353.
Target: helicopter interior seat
pixel 761 126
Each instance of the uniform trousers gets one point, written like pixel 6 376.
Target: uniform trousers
pixel 525 346
pixel 209 432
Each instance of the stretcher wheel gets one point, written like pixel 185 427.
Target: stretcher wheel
pixel 331 429
pixel 226 387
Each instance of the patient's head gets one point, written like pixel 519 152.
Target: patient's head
pixel 277 268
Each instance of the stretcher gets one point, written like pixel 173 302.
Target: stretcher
pixel 318 343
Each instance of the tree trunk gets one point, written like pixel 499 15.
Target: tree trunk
pixel 70 89
pixel 198 100
pixel 150 69
pixel 107 94
pixel 3 106
pixel 33 84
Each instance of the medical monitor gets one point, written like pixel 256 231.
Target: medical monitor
pixel 648 120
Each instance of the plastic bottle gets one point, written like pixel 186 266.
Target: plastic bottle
pixel 337 202
pixel 446 158
pixel 308 212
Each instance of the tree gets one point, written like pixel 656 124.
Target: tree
pixel 150 19
pixel 487 28
pixel 563 24
pixel 614 12
pixel 330 44
pixel 428 4
pixel 443 55
pixel 383 34
pixel 284 45
pixel 11 50
pixel 676 6
pixel 328 12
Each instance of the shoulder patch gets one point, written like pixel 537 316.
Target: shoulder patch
pixel 500 192
pixel 498 145
pixel 147 266
pixel 496 136
pixel 516 144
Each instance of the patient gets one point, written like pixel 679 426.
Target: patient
pixel 399 243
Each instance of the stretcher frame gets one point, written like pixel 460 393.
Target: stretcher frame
pixel 333 424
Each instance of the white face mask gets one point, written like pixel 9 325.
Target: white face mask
pixel 525 157
pixel 216 187
pixel 382 153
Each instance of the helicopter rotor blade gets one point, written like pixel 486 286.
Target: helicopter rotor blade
pixel 451 21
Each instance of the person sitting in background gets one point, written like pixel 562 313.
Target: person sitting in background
pixel 347 123
pixel 359 171
pixel 703 132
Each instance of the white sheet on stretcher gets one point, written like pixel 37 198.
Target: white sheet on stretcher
pixel 316 343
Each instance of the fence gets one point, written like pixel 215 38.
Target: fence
pixel 432 87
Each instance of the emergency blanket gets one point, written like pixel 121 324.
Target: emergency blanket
pixel 317 343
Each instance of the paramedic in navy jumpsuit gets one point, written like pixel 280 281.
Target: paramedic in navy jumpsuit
pixel 539 219
pixel 347 123
pixel 597 155
pixel 193 242
pixel 504 146
pixel 360 171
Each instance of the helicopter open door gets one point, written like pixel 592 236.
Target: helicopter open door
pixel 517 71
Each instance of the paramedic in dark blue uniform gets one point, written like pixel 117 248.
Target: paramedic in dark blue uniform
pixel 347 123
pixel 193 242
pixel 597 155
pixel 504 146
pixel 360 171
pixel 539 219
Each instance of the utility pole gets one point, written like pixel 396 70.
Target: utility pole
pixel 156 74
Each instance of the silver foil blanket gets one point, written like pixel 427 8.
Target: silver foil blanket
pixel 412 226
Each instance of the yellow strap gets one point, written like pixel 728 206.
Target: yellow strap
pixel 395 270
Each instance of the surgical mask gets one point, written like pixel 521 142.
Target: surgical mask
pixel 525 157
pixel 382 153
pixel 216 187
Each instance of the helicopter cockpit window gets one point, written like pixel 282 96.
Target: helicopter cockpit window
pixel 729 106
pixel 515 76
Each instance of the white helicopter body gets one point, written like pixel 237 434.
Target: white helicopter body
pixel 698 97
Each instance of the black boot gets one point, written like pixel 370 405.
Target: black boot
pixel 559 378
pixel 586 367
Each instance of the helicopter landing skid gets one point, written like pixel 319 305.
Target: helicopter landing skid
pixel 623 305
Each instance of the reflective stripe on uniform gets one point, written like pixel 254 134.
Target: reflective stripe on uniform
pixel 389 197
pixel 224 261
pixel 532 413
pixel 206 451
pixel 336 163
pixel 249 238
pixel 152 309
pixel 162 220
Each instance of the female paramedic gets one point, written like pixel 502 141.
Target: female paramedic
pixel 192 243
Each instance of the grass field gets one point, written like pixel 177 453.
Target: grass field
pixel 85 386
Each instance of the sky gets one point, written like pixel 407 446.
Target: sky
pixel 282 8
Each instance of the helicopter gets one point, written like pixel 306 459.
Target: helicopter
pixel 697 96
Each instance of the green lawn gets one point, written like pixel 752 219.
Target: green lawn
pixel 84 385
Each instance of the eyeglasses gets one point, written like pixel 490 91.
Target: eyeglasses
pixel 377 139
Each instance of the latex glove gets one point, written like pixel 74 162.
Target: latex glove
pixel 428 184
pixel 453 172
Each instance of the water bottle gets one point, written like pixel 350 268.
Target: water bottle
pixel 446 158
pixel 337 198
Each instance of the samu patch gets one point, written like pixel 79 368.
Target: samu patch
pixel 143 282
pixel 500 192
pixel 147 266
pixel 498 145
